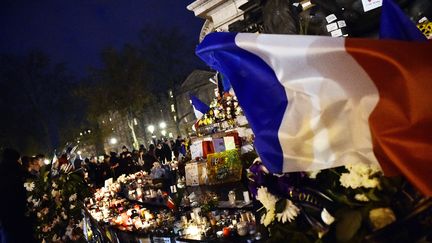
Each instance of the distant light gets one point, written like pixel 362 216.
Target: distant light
pixel 170 135
pixel 112 129
pixel 46 161
pixel 135 121
pixel 78 141
pixel 163 132
pixel 89 131
pixel 110 119
pixel 162 125
pixel 113 141
pixel 151 128
pixel 79 152
pixel 80 133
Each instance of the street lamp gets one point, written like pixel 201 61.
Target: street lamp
pixel 151 129
pixel 162 125
pixel 113 141
pixel 163 132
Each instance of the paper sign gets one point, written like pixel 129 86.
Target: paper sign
pixel 196 149
pixel 229 143
pixel 371 4
pixel 331 18
pixel 219 145
pixel 331 27
pixel 336 33
pixel 108 182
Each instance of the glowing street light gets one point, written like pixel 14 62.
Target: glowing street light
pixel 162 125
pixel 113 141
pixel 46 161
pixel 163 132
pixel 151 129
pixel 79 152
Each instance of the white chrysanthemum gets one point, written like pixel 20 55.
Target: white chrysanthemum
pixel 359 175
pixel 267 199
pixel 361 198
pixel 326 217
pixel 381 217
pixel 289 213
pixel 29 186
pixel 267 218
pixel 29 199
pixel 73 197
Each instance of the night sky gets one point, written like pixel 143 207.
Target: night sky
pixel 76 31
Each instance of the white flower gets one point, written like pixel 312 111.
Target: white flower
pixel 289 213
pixel 267 199
pixel 381 217
pixel 54 185
pixel 55 238
pixel 73 197
pixel 29 199
pixel 267 218
pixel 360 175
pixel 64 216
pixel 313 174
pixel 35 202
pixel 361 197
pixel 29 186
pixel 327 217
pixel 72 206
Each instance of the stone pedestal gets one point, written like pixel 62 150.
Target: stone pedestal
pixel 217 13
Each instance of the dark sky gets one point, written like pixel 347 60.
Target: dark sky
pixel 75 31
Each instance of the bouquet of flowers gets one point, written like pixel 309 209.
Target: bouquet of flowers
pixel 354 203
pixel 54 203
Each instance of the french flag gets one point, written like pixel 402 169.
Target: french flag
pixel 318 102
pixel 199 107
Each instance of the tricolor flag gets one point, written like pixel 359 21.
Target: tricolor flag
pixel 200 108
pixel 317 102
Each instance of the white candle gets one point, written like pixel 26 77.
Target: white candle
pixel 246 196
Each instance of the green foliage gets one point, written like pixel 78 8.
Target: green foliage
pixel 349 222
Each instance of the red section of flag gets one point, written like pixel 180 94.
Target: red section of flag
pixel 401 123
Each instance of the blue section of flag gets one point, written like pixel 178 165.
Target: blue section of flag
pixel 260 94
pixel 225 83
pixel 199 105
pixel 396 25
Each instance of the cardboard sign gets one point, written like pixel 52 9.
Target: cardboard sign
pixel 192 176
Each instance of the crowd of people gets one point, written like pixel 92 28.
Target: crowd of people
pixel 112 165
pixel 16 169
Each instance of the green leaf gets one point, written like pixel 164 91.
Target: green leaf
pixel 348 225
